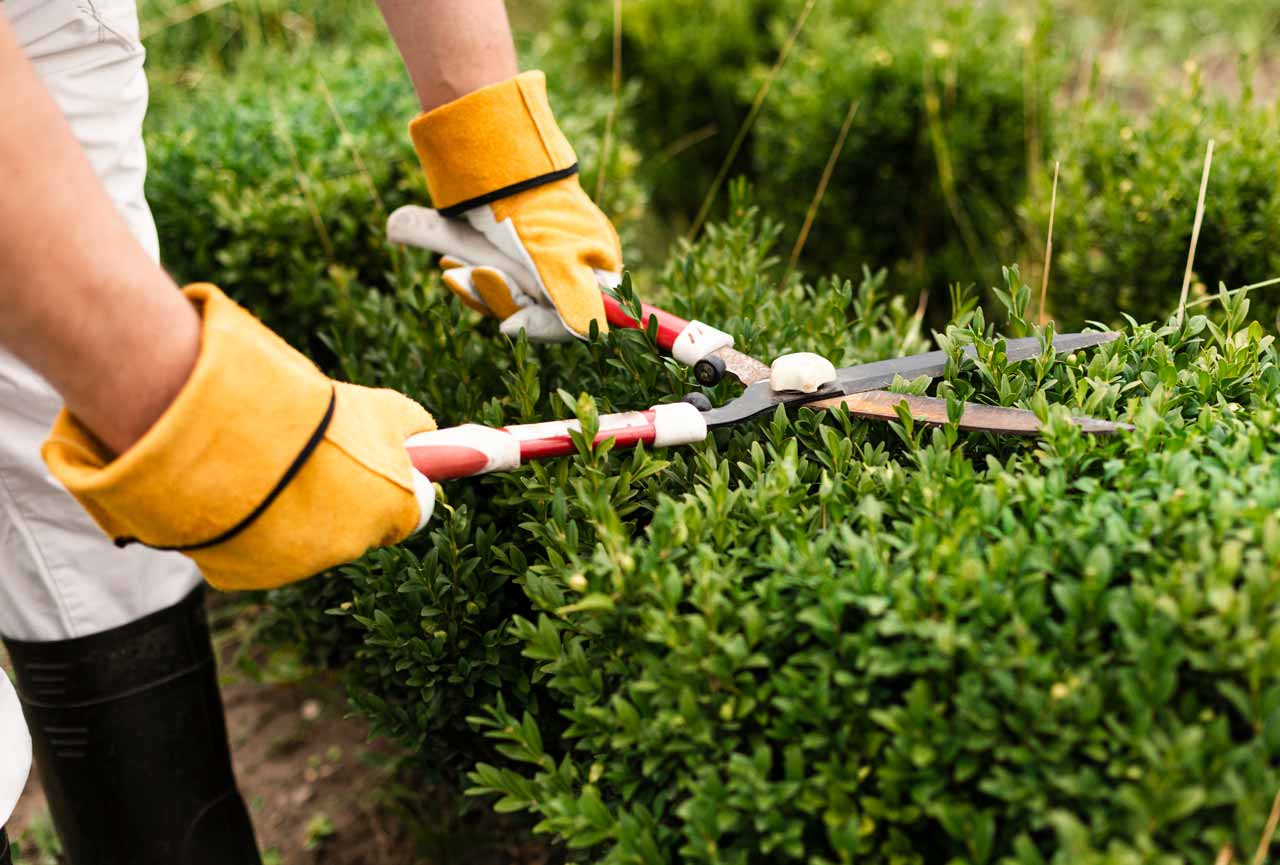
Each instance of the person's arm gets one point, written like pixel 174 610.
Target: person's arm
pixel 451 47
pixel 493 156
pixel 188 425
pixel 81 302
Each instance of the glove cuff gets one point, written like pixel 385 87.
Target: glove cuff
pixel 245 380
pixel 491 144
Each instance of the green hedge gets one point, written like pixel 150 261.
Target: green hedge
pixel 822 640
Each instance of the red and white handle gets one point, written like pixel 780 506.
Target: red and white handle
pixel 686 341
pixel 472 449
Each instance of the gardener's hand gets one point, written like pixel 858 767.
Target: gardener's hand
pixel 521 240
pixel 262 469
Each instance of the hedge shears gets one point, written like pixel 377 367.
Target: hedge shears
pixel 472 449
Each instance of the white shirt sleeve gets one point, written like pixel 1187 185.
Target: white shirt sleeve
pixel 15 749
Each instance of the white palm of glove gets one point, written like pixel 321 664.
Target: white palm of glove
pixel 487 266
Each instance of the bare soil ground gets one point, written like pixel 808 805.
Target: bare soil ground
pixel 321 794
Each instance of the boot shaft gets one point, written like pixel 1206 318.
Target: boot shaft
pixel 131 743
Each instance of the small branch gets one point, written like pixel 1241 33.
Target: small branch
pixel 1048 248
pixel 750 120
pixel 820 192
pixel 1225 855
pixel 1268 833
pixel 607 144
pixel 1195 231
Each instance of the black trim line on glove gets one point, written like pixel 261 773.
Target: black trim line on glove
pixel 456 210
pixel 296 466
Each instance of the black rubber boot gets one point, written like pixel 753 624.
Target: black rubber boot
pixel 131 743
pixel 6 855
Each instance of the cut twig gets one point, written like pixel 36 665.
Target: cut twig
pixel 1195 231
pixel 1048 249
pixel 750 120
pixel 607 144
pixel 1268 833
pixel 820 192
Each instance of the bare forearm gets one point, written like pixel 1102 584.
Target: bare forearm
pixel 451 47
pixel 80 300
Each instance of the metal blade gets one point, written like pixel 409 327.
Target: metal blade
pixel 882 405
pixel 873 376
pixel 760 399
pixel 743 367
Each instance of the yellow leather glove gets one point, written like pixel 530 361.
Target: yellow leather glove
pixel 521 240
pixel 263 470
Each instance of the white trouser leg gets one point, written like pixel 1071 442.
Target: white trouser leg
pixel 60 577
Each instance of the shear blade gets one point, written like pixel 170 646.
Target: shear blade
pixel 882 405
pixel 874 376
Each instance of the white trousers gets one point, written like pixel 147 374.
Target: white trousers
pixel 60 577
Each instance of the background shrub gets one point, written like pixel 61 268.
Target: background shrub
pixel 937 158
pixel 1128 199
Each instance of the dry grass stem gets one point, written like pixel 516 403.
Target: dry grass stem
pixel 179 15
pixel 684 142
pixel 821 191
pixel 1048 249
pixel 607 144
pixel 350 143
pixel 304 183
pixel 1268 833
pixel 1225 856
pixel 1195 231
pixel 750 119
pixel 1031 115
pixel 946 172
pixel 917 318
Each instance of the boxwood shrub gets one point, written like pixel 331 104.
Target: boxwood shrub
pixel 818 639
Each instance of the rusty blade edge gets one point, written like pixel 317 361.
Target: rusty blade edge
pixel 743 367
pixel 882 405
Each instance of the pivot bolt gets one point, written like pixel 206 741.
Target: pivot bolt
pixel 709 370
pixel 698 401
